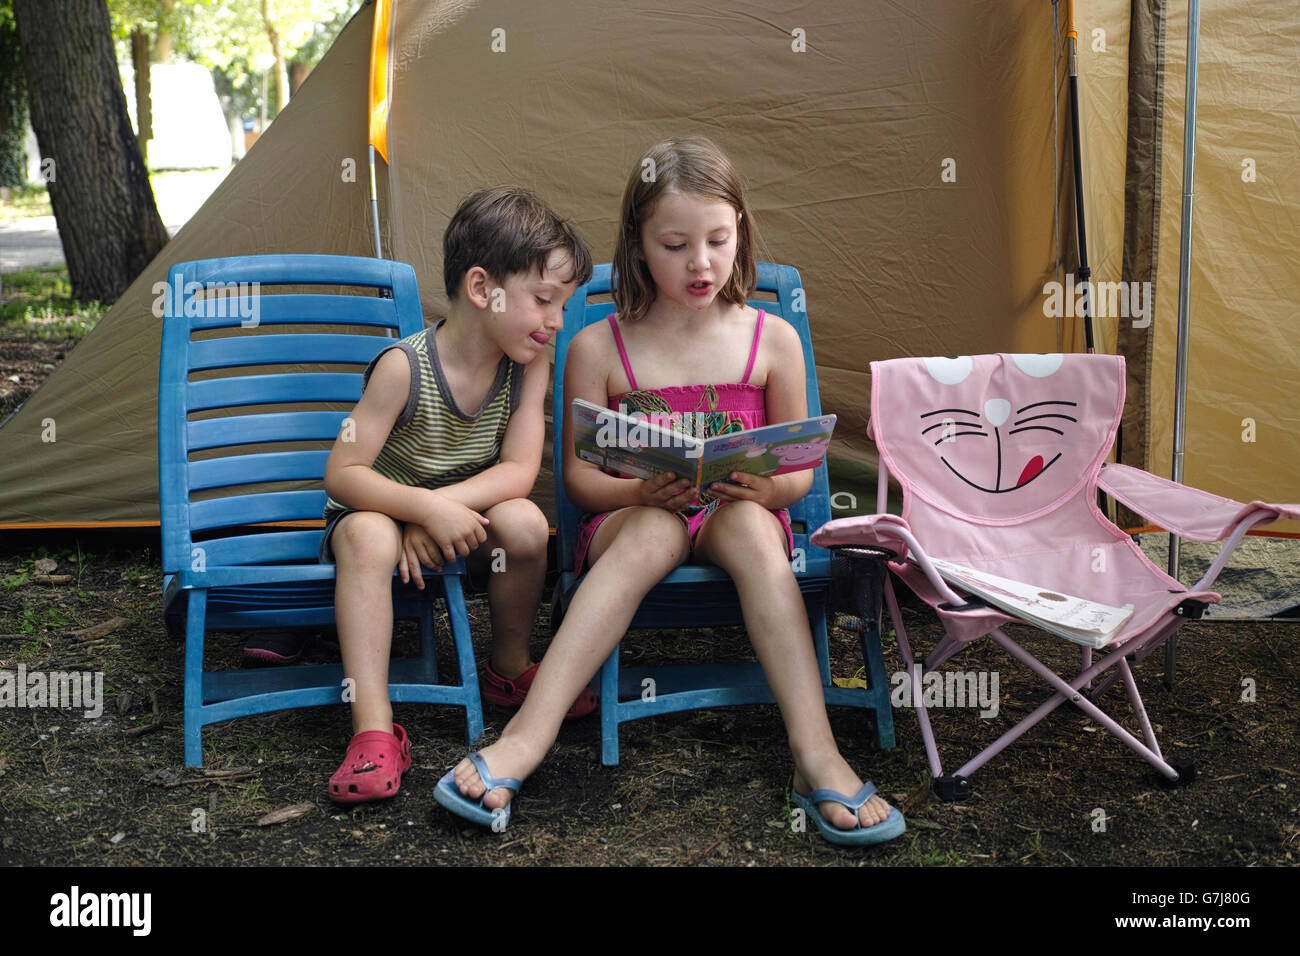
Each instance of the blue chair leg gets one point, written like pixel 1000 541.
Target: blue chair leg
pixel 875 661
pixel 821 640
pixel 609 709
pixel 460 637
pixel 428 650
pixel 196 616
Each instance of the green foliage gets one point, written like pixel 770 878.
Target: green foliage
pixel 230 37
pixel 26 201
pixel 148 15
pixel 32 619
pixel 223 35
pixel 40 302
pixel 13 102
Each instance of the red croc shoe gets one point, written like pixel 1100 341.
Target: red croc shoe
pixel 373 766
pixel 511 693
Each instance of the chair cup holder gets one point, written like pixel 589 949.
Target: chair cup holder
pixel 857 579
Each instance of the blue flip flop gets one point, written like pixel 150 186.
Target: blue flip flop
pixel 449 795
pixel 892 826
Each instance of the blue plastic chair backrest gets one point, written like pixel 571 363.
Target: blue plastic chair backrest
pixel 230 344
pixel 813 510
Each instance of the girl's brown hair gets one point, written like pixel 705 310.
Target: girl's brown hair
pixel 691 166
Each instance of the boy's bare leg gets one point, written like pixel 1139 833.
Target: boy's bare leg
pixel 513 558
pixel 747 541
pixel 366 547
pixel 632 549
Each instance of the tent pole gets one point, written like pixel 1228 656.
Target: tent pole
pixel 1184 289
pixel 374 203
pixel 1085 273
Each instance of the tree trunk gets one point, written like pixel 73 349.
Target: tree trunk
pixel 165 40
pixel 13 111
pixel 143 103
pixel 297 75
pixel 99 187
pixel 281 71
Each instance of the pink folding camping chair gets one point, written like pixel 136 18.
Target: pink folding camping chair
pixel 1000 458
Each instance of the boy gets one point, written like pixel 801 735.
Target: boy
pixel 445 446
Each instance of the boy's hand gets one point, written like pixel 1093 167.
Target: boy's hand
pixel 757 488
pixel 453 528
pixel 418 548
pixel 667 491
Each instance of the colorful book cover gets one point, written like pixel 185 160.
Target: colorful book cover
pixel 637 446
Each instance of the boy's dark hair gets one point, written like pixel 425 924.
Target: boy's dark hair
pixel 508 229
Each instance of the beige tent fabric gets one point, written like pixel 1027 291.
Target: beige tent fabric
pixel 1244 355
pixel 1103 27
pixel 839 115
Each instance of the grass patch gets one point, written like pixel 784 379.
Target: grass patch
pixel 25 202
pixel 39 303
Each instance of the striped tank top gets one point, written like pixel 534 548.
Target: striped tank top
pixel 433 443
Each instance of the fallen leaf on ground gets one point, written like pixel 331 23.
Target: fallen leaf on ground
pixel 99 630
pixel 285 814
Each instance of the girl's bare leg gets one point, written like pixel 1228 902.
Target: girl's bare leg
pixel 747 541
pixel 631 551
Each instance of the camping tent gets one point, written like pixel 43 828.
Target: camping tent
pixel 911 160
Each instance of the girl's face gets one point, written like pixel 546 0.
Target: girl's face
pixel 689 245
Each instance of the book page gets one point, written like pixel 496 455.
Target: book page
pixel 1074 617
pixel 631 445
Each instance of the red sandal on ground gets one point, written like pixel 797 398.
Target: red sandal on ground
pixel 511 693
pixel 373 766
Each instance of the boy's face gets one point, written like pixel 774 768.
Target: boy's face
pixel 525 311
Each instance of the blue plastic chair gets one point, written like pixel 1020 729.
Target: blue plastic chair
pixel 701 595
pixel 221 574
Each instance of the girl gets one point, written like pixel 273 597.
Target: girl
pixel 684 263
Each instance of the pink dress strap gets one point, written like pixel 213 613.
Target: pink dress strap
pixel 753 349
pixel 622 352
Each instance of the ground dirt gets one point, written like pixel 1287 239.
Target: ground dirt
pixel 707 787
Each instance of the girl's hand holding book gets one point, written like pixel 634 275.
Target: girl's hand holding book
pixel 746 487
pixel 666 491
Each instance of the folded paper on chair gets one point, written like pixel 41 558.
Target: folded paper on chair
pixel 644 447
pixel 1074 618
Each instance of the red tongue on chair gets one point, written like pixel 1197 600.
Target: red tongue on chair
pixel 1034 466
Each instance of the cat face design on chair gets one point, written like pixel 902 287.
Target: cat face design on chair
pixel 995 467
pixel 997 436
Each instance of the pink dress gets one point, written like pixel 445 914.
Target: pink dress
pixel 720 408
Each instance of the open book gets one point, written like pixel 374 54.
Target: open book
pixel 1074 618
pixel 634 445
